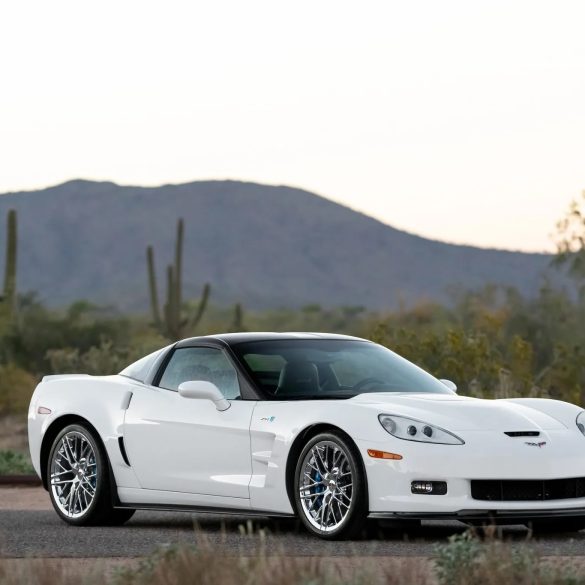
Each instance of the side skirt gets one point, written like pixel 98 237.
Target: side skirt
pixel 202 510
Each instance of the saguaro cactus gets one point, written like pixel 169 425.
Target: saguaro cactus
pixel 153 288
pixel 9 294
pixel 238 319
pixel 171 322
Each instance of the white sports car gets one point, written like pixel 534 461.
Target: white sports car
pixel 329 428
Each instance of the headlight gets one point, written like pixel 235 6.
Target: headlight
pixel 581 422
pixel 411 429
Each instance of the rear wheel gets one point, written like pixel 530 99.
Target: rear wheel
pixel 79 479
pixel 556 525
pixel 330 488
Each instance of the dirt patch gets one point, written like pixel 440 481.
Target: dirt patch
pixel 24 498
pixel 14 434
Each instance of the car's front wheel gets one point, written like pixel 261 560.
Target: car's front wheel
pixel 79 479
pixel 330 488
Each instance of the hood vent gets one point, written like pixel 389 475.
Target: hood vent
pixel 522 433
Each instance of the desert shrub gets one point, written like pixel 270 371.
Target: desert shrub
pixel 16 388
pixel 100 360
pixel 39 330
pixel 492 342
pixel 97 360
pixel 457 559
pixel 467 560
pixel 12 463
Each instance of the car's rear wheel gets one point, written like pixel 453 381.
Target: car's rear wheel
pixel 330 487
pixel 556 526
pixel 79 479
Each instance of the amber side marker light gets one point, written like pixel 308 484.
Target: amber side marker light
pixel 383 455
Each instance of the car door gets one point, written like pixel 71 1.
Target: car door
pixel 186 445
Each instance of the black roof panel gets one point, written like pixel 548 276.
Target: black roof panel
pixel 234 338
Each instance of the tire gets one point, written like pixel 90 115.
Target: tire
pixel 556 526
pixel 330 491
pixel 79 479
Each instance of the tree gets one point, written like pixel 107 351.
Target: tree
pixel 570 240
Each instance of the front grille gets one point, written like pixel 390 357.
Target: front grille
pixel 527 490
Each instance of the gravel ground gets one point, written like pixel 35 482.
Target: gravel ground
pixel 30 528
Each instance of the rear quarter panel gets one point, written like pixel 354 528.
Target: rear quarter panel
pixel 99 400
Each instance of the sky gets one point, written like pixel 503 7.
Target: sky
pixel 460 121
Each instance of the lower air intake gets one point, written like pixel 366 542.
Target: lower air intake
pixel 527 490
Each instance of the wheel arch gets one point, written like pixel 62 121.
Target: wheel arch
pixel 51 434
pixel 297 446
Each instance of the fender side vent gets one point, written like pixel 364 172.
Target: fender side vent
pixel 123 451
pixel 126 400
pixel 523 433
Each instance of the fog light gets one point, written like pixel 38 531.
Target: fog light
pixel 434 488
pixel 422 487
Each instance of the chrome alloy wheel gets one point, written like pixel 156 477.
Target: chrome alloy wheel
pixel 325 486
pixel 73 474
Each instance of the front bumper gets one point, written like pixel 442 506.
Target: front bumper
pixel 485 455
pixel 492 516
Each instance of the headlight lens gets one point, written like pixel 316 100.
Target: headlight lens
pixel 581 422
pixel 411 429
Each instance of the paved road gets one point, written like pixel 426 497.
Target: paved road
pixel 41 533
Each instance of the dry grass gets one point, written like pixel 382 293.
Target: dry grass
pixel 185 565
pixel 466 560
pixel 53 572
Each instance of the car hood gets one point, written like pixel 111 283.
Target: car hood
pixel 461 413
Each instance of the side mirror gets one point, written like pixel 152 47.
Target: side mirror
pixel 451 385
pixel 202 389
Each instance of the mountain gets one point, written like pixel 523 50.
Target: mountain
pixel 265 246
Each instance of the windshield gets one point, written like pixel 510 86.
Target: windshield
pixel 331 368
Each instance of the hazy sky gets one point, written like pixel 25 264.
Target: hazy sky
pixel 459 120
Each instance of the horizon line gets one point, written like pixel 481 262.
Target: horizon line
pixel 278 185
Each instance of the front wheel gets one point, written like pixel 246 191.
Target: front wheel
pixel 330 487
pixel 79 479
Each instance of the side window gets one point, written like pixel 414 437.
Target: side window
pixel 201 363
pixel 140 369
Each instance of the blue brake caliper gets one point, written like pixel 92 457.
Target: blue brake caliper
pixel 318 489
